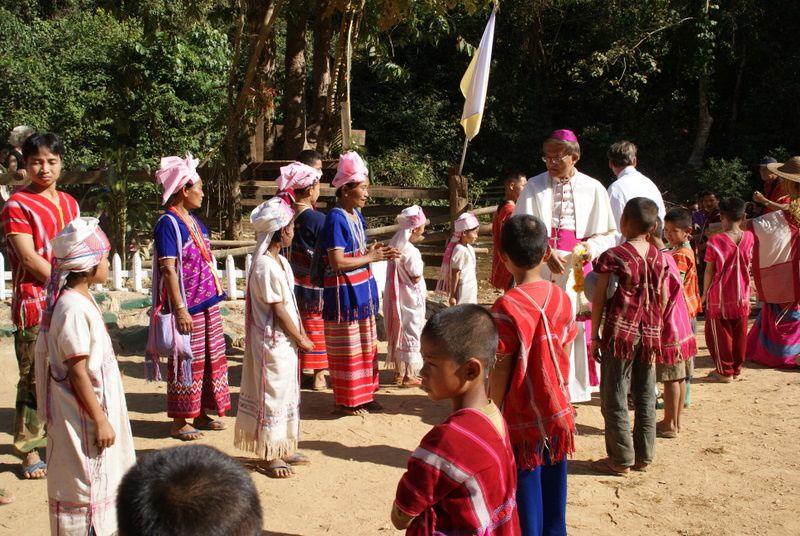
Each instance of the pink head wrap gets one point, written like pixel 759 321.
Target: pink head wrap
pixel 408 220
pixel 465 222
pixel 175 173
pixel 563 135
pixel 297 176
pixel 351 168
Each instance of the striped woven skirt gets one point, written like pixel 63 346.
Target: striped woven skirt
pixel 208 388
pixel 774 339
pixel 317 358
pixel 353 361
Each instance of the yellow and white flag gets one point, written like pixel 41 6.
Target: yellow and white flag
pixel 476 81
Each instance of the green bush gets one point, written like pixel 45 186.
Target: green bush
pixel 726 177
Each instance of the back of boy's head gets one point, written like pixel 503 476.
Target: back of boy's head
pixel 680 217
pixel 732 208
pixel 622 153
pixel 464 331
pixel 190 490
pixel 513 176
pixel 641 214
pixel 524 240
pixel 42 140
pixel 309 157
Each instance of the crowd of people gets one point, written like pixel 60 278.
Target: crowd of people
pixel 601 290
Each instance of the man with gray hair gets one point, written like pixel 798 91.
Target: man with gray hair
pixel 630 183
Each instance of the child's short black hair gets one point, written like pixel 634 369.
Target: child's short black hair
pixel 193 490
pixel 464 331
pixel 681 217
pixel 309 156
pixel 732 208
pixel 39 140
pixel 642 214
pixel 513 176
pixel 524 240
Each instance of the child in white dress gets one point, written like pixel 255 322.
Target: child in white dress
pixel 404 298
pixel 458 279
pixel 89 440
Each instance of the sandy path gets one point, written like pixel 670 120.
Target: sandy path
pixel 734 470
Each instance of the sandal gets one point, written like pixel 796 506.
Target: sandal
pixel 372 407
pixel 606 467
pixel 277 471
pixel 28 470
pixel 344 410
pixel 716 377
pixel 192 434
pixel 666 434
pixel 297 458
pixel 212 425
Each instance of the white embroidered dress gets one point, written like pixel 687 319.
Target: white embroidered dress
pixel 404 309
pixel 581 205
pixel 268 420
pixel 82 480
pixel 464 259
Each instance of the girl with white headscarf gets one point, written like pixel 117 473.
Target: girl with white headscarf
pixel 80 395
pixel 404 298
pixel 268 420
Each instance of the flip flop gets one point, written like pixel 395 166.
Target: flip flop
pixel 297 458
pixel 344 410
pixel 604 466
pixel 183 435
pixel 666 434
pixel 212 425
pixel 272 472
pixel 28 471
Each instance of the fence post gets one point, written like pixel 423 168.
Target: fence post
pixel 137 273
pixel 230 276
pixel 248 263
pixel 2 277
pixel 458 187
pixel 116 272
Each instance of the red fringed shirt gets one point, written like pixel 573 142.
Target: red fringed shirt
pixel 634 313
pixel 461 480
pixel 536 324
pixel 500 277
pixel 729 294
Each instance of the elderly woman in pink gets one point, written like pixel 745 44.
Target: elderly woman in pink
pixel 185 283
pixel 350 295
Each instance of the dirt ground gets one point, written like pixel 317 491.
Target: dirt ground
pixel 734 469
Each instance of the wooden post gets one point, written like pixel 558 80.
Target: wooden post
pixel 116 272
pixel 457 186
pixel 230 276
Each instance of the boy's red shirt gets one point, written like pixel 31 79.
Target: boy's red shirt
pixel 500 277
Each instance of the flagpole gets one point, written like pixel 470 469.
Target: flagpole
pixel 463 156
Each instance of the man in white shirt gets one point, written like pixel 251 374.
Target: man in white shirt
pixel 574 207
pixel 630 183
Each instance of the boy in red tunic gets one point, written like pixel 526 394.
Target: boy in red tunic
pixel 462 478
pixel 529 382
pixel 31 218
pixel 726 291
pixel 514 183
pixel 631 338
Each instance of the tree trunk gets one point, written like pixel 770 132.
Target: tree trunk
pixel 323 34
pixel 737 94
pixel 294 111
pixel 704 121
pixel 237 129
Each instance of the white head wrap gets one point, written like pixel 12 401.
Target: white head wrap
pixel 267 218
pixel 409 219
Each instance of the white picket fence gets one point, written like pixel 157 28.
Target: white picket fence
pixel 133 280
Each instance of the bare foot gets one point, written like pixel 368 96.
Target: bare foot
pixel 6 497
pixel 33 467
pixel 319 380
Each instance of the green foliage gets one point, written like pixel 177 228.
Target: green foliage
pixel 725 177
pixel 401 167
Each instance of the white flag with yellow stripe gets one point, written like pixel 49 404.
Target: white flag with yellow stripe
pixel 476 81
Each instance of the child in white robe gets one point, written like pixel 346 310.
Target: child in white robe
pixel 458 279
pixel 404 298
pixel 268 420
pixel 89 440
